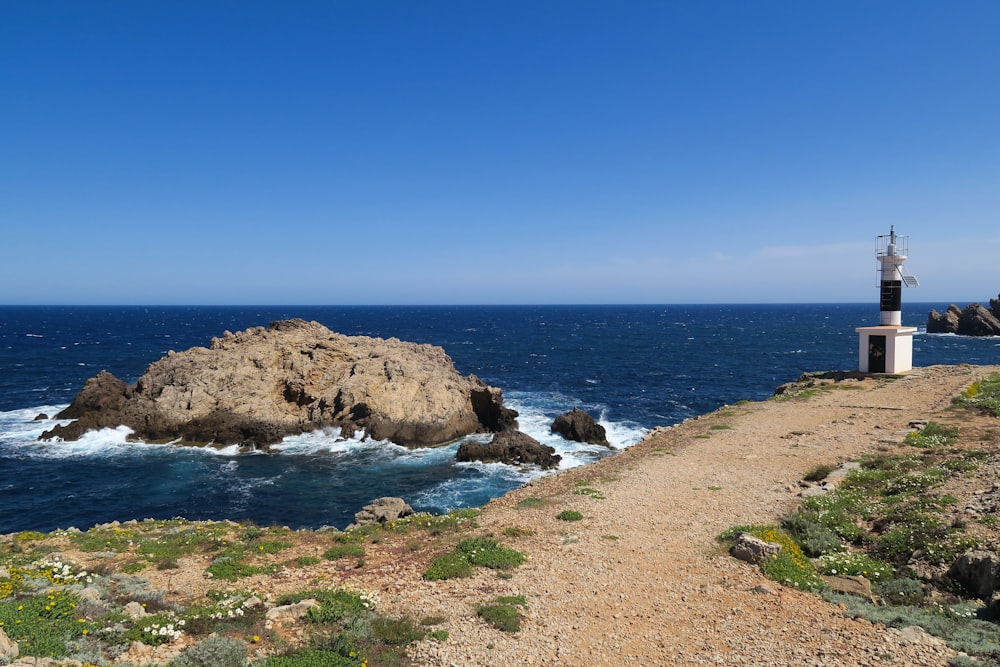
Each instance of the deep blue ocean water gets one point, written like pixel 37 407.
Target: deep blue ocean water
pixel 633 367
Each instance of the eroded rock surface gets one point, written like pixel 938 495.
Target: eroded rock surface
pixel 973 320
pixel 256 386
pixel 513 447
pixel 579 426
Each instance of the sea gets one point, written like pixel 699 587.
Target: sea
pixel 632 367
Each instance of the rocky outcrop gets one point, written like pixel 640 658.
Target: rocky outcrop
pixel 512 447
pixel 254 387
pixel 977 572
pixel 973 320
pixel 382 510
pixel 579 426
pixel 946 322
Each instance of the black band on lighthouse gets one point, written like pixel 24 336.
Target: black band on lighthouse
pixel 892 296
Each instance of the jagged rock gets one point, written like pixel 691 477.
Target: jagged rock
pixel 946 322
pixel 579 426
pixel 977 320
pixel 753 549
pixel 978 572
pixel 382 510
pixel 254 387
pixel 973 320
pixel 513 447
pixel 8 649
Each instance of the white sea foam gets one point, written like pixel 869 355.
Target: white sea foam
pixel 490 479
pixel 329 440
pixel 103 442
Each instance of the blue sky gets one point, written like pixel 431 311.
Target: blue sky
pixel 438 152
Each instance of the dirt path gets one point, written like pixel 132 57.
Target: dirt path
pixel 642 580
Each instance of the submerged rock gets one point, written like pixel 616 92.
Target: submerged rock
pixel 254 387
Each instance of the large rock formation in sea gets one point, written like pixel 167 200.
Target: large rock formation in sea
pixel 512 447
pixel 256 386
pixel 973 320
pixel 580 426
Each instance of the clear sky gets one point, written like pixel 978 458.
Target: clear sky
pixel 488 151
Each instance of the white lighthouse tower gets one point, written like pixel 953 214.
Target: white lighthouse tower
pixel 888 348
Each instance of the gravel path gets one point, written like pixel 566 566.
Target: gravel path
pixel 642 580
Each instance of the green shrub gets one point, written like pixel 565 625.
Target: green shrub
pixel 815 538
pixel 855 564
pixel 310 658
pixel 306 561
pixel 448 566
pixel 336 605
pixel 530 502
pixel 569 515
pixel 396 631
pixel 819 473
pixel 503 613
pixel 932 435
pixel 902 591
pixel 789 566
pixel 339 551
pixel 214 652
pixel 487 552
pixel 983 395
pixel 956 624
pixel 230 568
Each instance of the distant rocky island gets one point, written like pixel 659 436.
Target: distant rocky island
pixel 973 320
pixel 254 387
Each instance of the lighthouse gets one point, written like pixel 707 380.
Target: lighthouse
pixel 888 348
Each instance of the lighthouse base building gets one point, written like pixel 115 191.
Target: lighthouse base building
pixel 885 349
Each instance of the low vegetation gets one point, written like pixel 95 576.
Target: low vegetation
pixel 890 521
pixel 983 395
pixel 58 609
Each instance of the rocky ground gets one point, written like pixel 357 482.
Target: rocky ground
pixel 642 579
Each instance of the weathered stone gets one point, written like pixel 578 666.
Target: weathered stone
pixel 512 447
pixel 134 610
pixel 290 612
pixel 382 510
pixel 8 649
pixel 254 387
pixel 973 320
pixel 852 584
pixel 914 634
pixel 976 320
pixel 753 549
pixel 978 572
pixel 579 426
pixel 946 322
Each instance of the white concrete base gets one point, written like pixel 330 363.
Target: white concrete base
pixel 885 349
